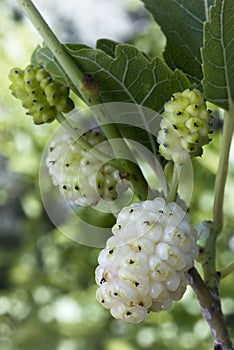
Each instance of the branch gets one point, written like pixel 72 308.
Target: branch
pixel 211 310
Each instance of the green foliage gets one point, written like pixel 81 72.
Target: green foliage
pixel 182 23
pixel 108 46
pixel 129 76
pixel 218 54
pixel 120 73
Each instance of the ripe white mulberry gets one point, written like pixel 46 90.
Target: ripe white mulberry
pixel 80 176
pixel 185 126
pixel 143 266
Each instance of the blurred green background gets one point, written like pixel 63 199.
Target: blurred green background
pixel 47 288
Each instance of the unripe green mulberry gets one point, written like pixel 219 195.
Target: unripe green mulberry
pixel 16 75
pixel 143 267
pixel 185 126
pixel 40 94
pixel 81 177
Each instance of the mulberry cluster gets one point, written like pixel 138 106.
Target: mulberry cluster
pixel 81 177
pixel 39 93
pixel 185 126
pixel 143 266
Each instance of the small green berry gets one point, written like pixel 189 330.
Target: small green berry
pixel 49 115
pixel 40 94
pixel 16 75
pixel 45 82
pixel 41 74
pixel 27 102
pixel 65 105
pixel 185 126
pixel 17 90
pixel 51 88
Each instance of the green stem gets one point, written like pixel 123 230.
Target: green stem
pixel 53 43
pixel 227 271
pixel 222 170
pixel 91 98
pixel 174 185
pixel 210 275
pixel 211 310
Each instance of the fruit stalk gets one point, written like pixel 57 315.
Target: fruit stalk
pixel 221 177
pixel 174 184
pixel 209 267
pixel 52 41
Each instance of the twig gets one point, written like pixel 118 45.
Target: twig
pixel 222 171
pixel 211 310
pixel 227 271
pixel 220 182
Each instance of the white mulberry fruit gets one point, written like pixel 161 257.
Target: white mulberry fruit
pixel 185 126
pixel 80 176
pixel 143 266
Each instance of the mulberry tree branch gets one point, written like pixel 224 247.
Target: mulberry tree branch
pixel 211 310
